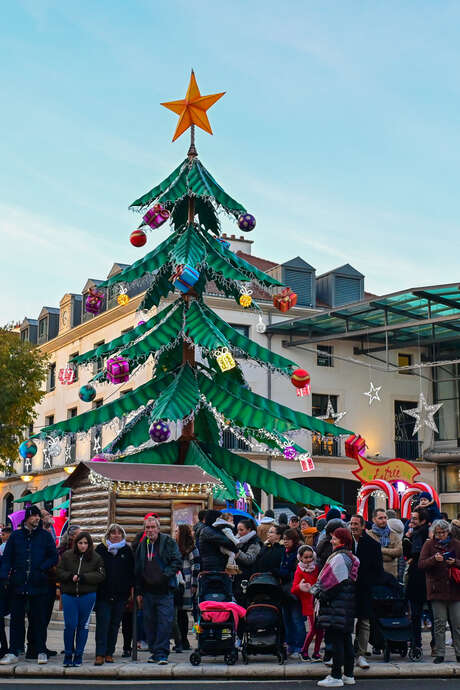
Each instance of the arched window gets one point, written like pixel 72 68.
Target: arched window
pixel 8 506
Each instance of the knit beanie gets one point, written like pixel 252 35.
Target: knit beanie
pixel 426 495
pixel 32 510
pixel 396 526
pixel 332 513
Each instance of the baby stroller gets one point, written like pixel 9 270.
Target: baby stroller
pixel 390 626
pixel 263 627
pixel 215 638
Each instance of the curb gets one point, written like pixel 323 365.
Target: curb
pixel 258 670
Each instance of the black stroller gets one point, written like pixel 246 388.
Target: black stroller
pixel 263 627
pixel 215 639
pixel 391 629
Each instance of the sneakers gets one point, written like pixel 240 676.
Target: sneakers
pixel 330 682
pixel 305 657
pixel 348 680
pixel 152 660
pixel 9 659
pixel 316 658
pixel 67 661
pixel 42 658
pixel 362 662
pixel 327 662
pixel 162 662
pixel 77 660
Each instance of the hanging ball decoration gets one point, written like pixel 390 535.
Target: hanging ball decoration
pixel 245 300
pixel 159 431
pixel 260 326
pixel 27 449
pixel 122 299
pixel 141 323
pixel 289 452
pixel 87 393
pixel 301 380
pixel 246 222
pixel 138 238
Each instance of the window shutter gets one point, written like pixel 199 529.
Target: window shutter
pixel 301 283
pixel 347 290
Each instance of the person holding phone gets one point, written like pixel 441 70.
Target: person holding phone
pixel 440 559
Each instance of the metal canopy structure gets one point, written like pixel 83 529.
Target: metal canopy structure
pixel 420 316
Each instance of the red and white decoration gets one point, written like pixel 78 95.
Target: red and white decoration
pixel 372 487
pixel 66 375
pixel 413 490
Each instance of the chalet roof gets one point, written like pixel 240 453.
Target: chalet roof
pixel 299 263
pixel 345 270
pixel 48 310
pixel 257 261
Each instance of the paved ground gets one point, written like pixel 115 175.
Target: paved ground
pixel 370 684
pixel 179 667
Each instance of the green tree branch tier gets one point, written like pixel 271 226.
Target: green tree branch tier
pixel 185 339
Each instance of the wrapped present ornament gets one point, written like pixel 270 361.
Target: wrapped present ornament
pixel 184 277
pixel 301 380
pixel 117 370
pixel 66 375
pixel 285 299
pixel 307 464
pixel 156 216
pixel 355 447
pixel 225 359
pixel 94 300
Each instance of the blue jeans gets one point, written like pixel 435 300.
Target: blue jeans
pixel 108 619
pixel 294 626
pixel 77 611
pixel 158 620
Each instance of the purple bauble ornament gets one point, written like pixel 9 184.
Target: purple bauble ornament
pixel 289 452
pixel 141 323
pixel 246 222
pixel 99 458
pixel 159 431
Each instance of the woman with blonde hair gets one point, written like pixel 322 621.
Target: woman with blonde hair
pixel 114 592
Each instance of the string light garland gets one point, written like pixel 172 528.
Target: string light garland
pixel 144 488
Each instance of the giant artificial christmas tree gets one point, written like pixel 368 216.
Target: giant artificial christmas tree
pixel 196 385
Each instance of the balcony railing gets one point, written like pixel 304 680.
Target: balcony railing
pixel 408 448
pixel 327 445
pixel 231 442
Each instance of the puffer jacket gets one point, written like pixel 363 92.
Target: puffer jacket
pixel 211 540
pixel 337 601
pixel 27 558
pixel 91 573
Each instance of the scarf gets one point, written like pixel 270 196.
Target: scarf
pixel 246 537
pixel 307 568
pixel 443 542
pixel 340 566
pixel 383 533
pixel 114 548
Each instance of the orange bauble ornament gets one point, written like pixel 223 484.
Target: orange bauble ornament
pixel 301 380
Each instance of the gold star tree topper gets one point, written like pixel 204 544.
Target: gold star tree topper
pixel 192 109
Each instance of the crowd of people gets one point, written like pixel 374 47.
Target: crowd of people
pixel 327 568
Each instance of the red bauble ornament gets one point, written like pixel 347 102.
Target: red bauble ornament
pixel 301 380
pixel 138 238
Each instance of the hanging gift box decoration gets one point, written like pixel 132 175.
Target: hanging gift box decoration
pixel 245 298
pixel 307 464
pixel 117 370
pixel 27 449
pixel 123 297
pixel 66 375
pixel 223 242
pixel 156 216
pixel 225 359
pixel 355 447
pixel 301 380
pixel 138 238
pixel 184 277
pixel 285 299
pixel 246 222
pixel 159 431
pixel 289 452
pixel 87 393
pixel 93 302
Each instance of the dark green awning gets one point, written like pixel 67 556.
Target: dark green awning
pixel 49 493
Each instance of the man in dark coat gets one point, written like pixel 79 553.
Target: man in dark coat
pixel 29 554
pixel 211 539
pixel 416 581
pixel 157 561
pixel 370 573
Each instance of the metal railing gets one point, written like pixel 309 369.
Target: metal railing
pixel 408 448
pixel 326 446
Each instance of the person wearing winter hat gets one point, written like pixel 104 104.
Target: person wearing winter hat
pixel 29 553
pixel 427 502
pixel 266 522
pixel 305 576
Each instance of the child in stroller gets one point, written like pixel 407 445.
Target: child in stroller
pixel 218 618
pixel 263 626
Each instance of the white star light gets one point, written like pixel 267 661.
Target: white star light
pixel 373 393
pixel 331 416
pixel 423 414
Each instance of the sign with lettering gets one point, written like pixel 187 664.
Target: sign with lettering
pixel 395 470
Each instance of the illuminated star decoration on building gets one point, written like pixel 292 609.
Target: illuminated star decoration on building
pixel 423 414
pixel 373 393
pixel 332 417
pixel 192 109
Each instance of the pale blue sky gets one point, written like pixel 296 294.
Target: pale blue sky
pixel 339 131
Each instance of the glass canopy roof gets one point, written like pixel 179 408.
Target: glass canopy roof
pixel 419 316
